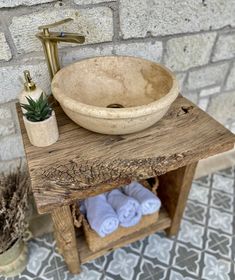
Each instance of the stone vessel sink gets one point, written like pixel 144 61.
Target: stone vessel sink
pixel 115 94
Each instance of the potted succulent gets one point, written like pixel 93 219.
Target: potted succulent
pixel 40 121
pixel 14 189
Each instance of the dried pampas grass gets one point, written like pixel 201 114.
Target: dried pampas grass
pixel 14 189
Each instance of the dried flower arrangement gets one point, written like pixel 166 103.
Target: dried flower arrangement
pixel 14 190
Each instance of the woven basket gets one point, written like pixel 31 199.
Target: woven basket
pixel 95 242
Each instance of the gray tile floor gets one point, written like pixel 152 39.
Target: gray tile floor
pixel 203 249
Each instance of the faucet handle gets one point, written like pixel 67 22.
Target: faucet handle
pixel 55 24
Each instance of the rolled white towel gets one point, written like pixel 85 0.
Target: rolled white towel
pixel 82 207
pixel 149 202
pixel 100 215
pixel 127 208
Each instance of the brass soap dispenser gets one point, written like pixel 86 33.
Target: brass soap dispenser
pixel 30 89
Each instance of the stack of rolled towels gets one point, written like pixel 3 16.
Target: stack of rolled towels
pixel 124 207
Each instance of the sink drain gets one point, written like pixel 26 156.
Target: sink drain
pixel 115 105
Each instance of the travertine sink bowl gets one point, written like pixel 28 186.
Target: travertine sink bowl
pixel 92 91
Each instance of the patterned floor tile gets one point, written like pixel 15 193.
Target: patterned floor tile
pixel 216 268
pixel 223 183
pixel 159 249
pixel 191 233
pixel 187 259
pixel 228 172
pixel 123 264
pixel 41 258
pixel 195 212
pixel 199 194
pixel 204 181
pixel 151 271
pixel 222 201
pixel 52 275
pixel 179 275
pixel 220 244
pixel 86 274
pixel 220 220
pixel 203 249
pixel 214 237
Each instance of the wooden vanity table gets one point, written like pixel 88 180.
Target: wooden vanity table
pixel 83 163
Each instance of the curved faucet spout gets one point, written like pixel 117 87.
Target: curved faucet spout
pixel 71 37
pixel 51 39
pixel 62 37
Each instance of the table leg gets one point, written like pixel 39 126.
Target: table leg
pixel 173 192
pixel 65 237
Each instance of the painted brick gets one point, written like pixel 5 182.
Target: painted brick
pixel 138 17
pixel 14 3
pixel 11 79
pixel 185 52
pixel 8 166
pixel 233 128
pixel 7 127
pixel 5 113
pixel 222 107
pixel 207 76
pixel 5 53
pixel 209 91
pixel 225 47
pixel 147 50
pixel 192 96
pixel 230 83
pixel 203 103
pixel 96 24
pixel 85 2
pixel 86 52
pixel 180 78
pixel 11 147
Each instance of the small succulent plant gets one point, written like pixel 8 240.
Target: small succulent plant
pixel 37 110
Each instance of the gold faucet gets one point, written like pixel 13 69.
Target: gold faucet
pixel 51 39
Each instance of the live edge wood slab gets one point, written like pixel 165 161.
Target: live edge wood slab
pixel 83 164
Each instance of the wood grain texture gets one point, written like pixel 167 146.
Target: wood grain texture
pixel 83 163
pixel 173 192
pixel 65 237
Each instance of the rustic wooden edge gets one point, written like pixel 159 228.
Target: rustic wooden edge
pixel 61 174
pixel 174 190
pixel 65 237
pixel 62 199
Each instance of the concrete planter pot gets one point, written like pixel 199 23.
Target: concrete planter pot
pixel 44 133
pixel 14 260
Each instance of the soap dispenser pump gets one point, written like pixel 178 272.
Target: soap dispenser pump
pixel 30 89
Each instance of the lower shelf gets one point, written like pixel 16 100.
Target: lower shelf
pixel 86 255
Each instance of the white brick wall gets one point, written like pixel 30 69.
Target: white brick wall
pixel 225 47
pixel 222 107
pixel 14 3
pixel 5 53
pixel 185 52
pixel 148 50
pixel 11 147
pixel 87 52
pixel 11 79
pixel 86 2
pixel 168 17
pixel 230 84
pixel 96 24
pixel 207 76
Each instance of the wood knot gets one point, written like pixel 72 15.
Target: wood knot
pixel 179 157
pixel 184 110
